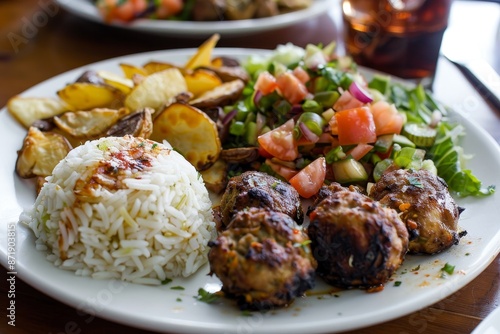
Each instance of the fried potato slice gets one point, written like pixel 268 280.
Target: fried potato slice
pixel 89 124
pixel 200 81
pixel 125 85
pixel 85 96
pixel 156 89
pixel 131 70
pixel 40 153
pixel 191 132
pixel 220 96
pixel 215 177
pixel 157 66
pixel 27 110
pixel 203 55
pixel 138 124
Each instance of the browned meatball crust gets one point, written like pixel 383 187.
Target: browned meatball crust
pixel 262 260
pixel 425 206
pixel 356 241
pixel 260 190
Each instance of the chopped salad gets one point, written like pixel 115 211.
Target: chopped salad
pixel 315 118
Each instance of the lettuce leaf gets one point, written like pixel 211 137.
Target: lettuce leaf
pixel 449 160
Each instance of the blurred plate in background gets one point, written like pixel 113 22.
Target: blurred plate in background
pixel 87 10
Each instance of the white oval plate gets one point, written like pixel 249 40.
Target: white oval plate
pixel 490 325
pixel 157 308
pixel 86 9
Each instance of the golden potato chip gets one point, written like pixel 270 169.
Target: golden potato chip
pixel 201 81
pixel 89 124
pixel 215 177
pixel 40 153
pixel 85 96
pixel 130 70
pixel 156 66
pixel 203 56
pixel 156 89
pixel 125 85
pixel 191 132
pixel 30 109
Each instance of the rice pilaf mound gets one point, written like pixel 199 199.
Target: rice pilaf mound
pixel 124 208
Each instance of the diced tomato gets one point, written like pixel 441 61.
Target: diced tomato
pixel 263 153
pixel 125 11
pixel 169 8
pixel 280 143
pixel 266 83
pixel 356 126
pixel 359 151
pixel 309 180
pixel 347 101
pixel 387 118
pixel 334 127
pixel 291 88
pixel 301 74
pixel 282 170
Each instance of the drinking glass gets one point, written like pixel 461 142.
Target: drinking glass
pixel 399 37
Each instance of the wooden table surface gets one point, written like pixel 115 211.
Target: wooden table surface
pixel 59 42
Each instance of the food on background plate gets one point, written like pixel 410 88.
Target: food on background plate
pixel 124 208
pixel 262 259
pixel 195 10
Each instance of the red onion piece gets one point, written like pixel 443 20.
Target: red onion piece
pixel 261 121
pixel 360 93
pixel 307 133
pixel 229 116
pixel 257 96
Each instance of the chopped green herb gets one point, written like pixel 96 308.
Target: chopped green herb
pixel 178 287
pixel 467 254
pixel 205 296
pixel 397 283
pixel 141 144
pixel 179 300
pixel 166 281
pixel 274 185
pixel 416 268
pixel 414 181
pixel 448 268
pixel 154 146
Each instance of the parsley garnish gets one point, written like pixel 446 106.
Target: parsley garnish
pixel 416 268
pixel 397 283
pixel 166 281
pixel 448 268
pixel 205 296
pixel 178 287
pixel 154 146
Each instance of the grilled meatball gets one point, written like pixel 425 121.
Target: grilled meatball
pixel 356 241
pixel 426 206
pixel 257 189
pixel 327 190
pixel 262 259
